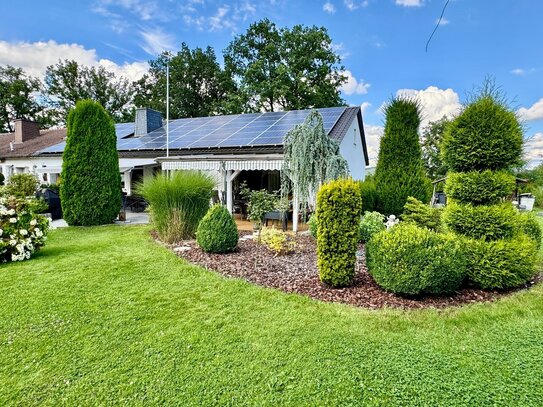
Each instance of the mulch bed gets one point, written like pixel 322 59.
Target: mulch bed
pixel 297 273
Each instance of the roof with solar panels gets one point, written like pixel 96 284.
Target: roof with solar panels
pixel 232 134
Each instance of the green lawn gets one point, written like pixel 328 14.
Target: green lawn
pixel 105 316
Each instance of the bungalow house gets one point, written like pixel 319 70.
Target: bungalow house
pixel 235 149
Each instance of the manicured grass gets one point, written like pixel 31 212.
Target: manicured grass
pixel 105 316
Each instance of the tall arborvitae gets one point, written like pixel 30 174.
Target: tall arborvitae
pixel 400 171
pixel 91 183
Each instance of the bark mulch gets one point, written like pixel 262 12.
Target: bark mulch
pixel 297 273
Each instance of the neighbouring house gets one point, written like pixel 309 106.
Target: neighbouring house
pixel 235 149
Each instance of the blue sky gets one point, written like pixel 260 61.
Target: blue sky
pixel 382 43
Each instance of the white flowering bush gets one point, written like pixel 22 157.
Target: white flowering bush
pixel 22 231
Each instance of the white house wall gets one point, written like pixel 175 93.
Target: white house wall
pixel 351 149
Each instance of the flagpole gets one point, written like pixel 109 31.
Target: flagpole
pixel 168 109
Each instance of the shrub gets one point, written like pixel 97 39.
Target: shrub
pixel 313 225
pixel 370 224
pixel 486 135
pixel 259 202
pixel 479 187
pixel 528 224
pixel 422 215
pixel 178 202
pixel 22 185
pixel 278 241
pixel 400 171
pixel 488 222
pixel 412 260
pixel 22 232
pixel 338 216
pixel 217 231
pixel 368 192
pixel 91 181
pixel 500 264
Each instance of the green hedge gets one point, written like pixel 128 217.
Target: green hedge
pixel 412 260
pixel 338 215
pixel 486 135
pixel 500 264
pixel 479 187
pixel 528 224
pixel 488 222
pixel 217 231
pixel 368 191
pixel 422 214
pixel 313 226
pixel 370 224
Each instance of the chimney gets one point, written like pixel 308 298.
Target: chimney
pixel 25 130
pixel 147 120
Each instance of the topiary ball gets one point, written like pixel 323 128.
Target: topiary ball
pixel 411 260
pixel 486 135
pixel 479 187
pixel 217 231
pixel 500 264
pixel 528 224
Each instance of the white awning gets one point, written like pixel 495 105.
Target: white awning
pixel 217 165
pixel 49 170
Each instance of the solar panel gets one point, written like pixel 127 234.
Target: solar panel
pixel 218 131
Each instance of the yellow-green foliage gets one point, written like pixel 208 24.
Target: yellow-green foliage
pixel 277 241
pixel 499 264
pixel 339 207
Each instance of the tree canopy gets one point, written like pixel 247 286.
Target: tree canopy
pixel 286 69
pixel 68 82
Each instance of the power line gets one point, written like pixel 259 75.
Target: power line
pixel 437 25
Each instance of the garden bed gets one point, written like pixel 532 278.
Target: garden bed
pixel 297 273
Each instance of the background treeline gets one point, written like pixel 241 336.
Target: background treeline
pixel 265 69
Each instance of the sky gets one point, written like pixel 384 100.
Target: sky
pixel 381 42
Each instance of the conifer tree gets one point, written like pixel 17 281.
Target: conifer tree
pixel 400 170
pixel 91 182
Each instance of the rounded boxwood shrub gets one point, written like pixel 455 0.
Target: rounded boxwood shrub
pixel 91 180
pixel 479 187
pixel 217 231
pixel 488 222
pixel 500 264
pixel 370 224
pixel 528 224
pixel 338 215
pixel 410 260
pixel 486 135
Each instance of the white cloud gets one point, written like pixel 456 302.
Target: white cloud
pixel 353 5
pixel 533 149
pixel 329 7
pixel 36 56
pixel 226 17
pixel 373 138
pixel 443 21
pixel 535 112
pixel 339 48
pixel 145 10
pixel 435 102
pixel 156 41
pixel 354 86
pixel 518 71
pixel 410 3
pixel 364 106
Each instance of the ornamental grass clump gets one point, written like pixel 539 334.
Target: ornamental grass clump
pixel 339 207
pixel 177 202
pixel 480 147
pixel 217 231
pixel 22 231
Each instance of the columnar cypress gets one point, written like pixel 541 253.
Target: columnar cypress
pixel 91 182
pixel 479 147
pixel 400 171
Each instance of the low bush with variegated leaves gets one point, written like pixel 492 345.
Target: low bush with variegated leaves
pixel 22 231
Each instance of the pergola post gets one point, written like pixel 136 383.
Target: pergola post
pixel 127 175
pixel 295 210
pixel 230 176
